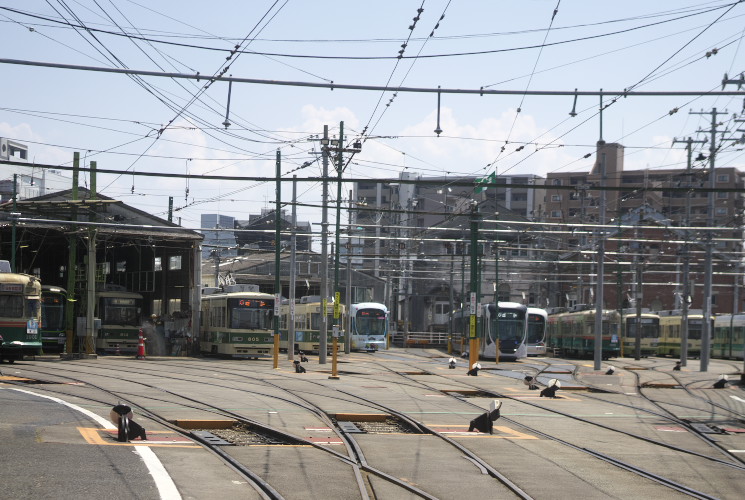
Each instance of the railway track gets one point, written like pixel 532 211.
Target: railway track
pixel 304 396
pixel 355 456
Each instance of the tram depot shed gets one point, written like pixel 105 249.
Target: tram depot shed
pixel 132 249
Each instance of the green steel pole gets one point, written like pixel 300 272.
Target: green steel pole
pixel 72 259
pixel 337 294
pixel 474 341
pixel 13 231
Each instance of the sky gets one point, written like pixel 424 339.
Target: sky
pixel 173 125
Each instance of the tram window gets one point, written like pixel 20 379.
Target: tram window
pixel 11 306
pixel 32 307
pixel 315 321
pixel 251 318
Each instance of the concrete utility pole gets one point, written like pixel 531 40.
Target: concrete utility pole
pixel 706 330
pixel 277 267
pixel 639 259
pixel 348 297
pixel 739 82
pixel 685 292
pixel 599 298
pixel 323 344
pixel 293 275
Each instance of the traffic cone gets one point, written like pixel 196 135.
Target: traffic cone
pixel 141 347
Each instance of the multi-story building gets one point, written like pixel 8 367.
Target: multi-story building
pixel 257 233
pixel 660 215
pixel 416 233
pixel 219 238
pixel 27 181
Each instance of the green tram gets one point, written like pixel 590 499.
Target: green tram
pixel 729 336
pixel 308 324
pixel 120 312
pixel 671 323
pixel 573 332
pixel 237 321
pixel 53 318
pixel 20 314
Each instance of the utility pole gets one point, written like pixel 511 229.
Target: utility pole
pixel 340 150
pixel 277 268
pixel 685 292
pixel 599 298
pixel 706 330
pixel 639 259
pixel 293 275
pixel 323 345
pixel 348 298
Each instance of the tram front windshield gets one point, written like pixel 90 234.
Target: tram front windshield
pixel 120 311
pixel 511 325
pixel 53 313
pixel 251 314
pixel 536 328
pixel 695 326
pixel 650 328
pixel 370 322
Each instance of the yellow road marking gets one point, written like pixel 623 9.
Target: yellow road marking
pixel 93 436
pixel 510 433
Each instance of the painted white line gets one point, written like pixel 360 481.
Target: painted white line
pixel 738 399
pixel 736 451
pixel 98 419
pixel 166 487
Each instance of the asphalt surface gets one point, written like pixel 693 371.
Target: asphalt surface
pixel 50 450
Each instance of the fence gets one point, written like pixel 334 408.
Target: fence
pixel 420 339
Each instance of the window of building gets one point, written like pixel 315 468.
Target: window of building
pixel 174 305
pixel 121 267
pixel 577 180
pixel 157 265
pixel 519 196
pixel 555 197
pixel 723 178
pixel 721 195
pixel 557 182
pixel 556 214
pixel 174 262
pixel 722 211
